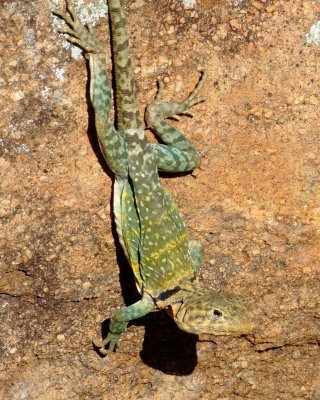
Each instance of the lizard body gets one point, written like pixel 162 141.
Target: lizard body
pixel 150 227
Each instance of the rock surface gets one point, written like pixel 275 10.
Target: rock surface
pixel 254 203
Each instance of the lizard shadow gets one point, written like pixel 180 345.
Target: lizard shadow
pixel 166 347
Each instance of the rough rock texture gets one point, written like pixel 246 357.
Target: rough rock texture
pixel 254 204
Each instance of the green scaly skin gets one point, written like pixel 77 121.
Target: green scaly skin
pixel 150 228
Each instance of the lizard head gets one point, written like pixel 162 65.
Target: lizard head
pixel 206 312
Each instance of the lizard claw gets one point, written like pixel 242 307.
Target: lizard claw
pixel 176 117
pixel 189 113
pixel 160 90
pixel 161 109
pixel 100 345
pixel 77 33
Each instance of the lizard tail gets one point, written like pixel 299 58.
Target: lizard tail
pixel 127 111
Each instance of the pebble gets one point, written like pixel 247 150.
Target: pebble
pixel 13 350
pixel 313 100
pixel 222 31
pixel 258 5
pixel 61 337
pixel 307 269
pixel 17 96
pixel 170 30
pixel 255 252
pixel 234 24
pixel 278 249
pixel 296 354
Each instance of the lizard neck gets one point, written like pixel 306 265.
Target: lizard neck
pixel 172 299
pixel 127 111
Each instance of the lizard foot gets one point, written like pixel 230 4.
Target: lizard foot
pixel 160 109
pixel 111 341
pixel 77 33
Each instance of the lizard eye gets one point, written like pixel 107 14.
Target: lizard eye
pixel 216 314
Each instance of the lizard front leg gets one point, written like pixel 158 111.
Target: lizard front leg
pixel 119 322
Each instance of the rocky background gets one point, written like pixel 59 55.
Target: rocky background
pixel 254 203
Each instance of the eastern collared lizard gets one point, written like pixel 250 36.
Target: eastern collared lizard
pixel 151 231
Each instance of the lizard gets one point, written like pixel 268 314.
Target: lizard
pixel 151 230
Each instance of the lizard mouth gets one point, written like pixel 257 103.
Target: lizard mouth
pixel 245 328
pixel 227 331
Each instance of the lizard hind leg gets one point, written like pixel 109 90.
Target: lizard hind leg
pixel 112 143
pixel 177 153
